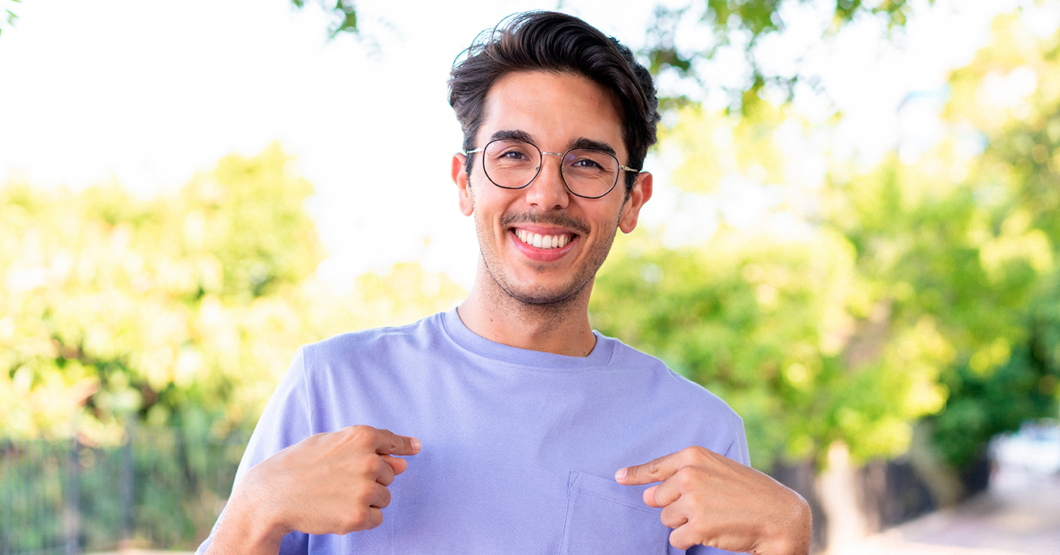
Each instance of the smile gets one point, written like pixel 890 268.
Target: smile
pixel 542 241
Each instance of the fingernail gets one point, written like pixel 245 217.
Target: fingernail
pixel 415 444
pixel 621 473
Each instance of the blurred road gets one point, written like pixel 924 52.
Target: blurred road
pixel 1018 515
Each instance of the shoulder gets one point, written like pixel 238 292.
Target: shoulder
pixel 692 398
pixel 376 341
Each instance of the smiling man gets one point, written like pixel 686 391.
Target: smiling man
pixel 523 430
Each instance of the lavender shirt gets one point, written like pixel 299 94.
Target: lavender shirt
pixel 519 447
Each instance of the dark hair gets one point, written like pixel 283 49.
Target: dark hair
pixel 552 41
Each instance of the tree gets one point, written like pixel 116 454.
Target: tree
pixel 742 26
pixel 1010 96
pixel 912 290
pixel 8 18
pixel 182 310
pixel 731 25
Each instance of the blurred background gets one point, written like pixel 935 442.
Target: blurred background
pixel 853 241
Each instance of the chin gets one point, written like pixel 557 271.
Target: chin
pixel 537 295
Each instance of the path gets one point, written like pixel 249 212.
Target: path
pixel 1018 515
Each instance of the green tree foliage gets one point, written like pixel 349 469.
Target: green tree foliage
pixel 178 310
pixel 8 18
pixel 743 24
pixel 1010 96
pixel 915 289
pixel 729 23
pixel 343 15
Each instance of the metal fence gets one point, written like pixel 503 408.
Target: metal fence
pixel 161 488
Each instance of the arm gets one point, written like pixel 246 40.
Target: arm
pixel 330 483
pixel 709 499
pixel 287 472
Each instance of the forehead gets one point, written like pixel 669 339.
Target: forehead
pixel 553 109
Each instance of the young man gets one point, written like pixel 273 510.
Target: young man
pixel 524 430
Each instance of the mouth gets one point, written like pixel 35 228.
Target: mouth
pixel 543 241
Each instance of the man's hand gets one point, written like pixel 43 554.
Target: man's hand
pixel 709 499
pixel 331 483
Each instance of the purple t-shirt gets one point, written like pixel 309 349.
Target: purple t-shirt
pixel 519 447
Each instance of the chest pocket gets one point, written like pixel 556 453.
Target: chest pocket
pixel 604 516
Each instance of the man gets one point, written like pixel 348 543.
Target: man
pixel 525 431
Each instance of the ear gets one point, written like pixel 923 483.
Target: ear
pixel 463 185
pixel 640 194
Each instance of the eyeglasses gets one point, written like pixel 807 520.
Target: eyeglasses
pixel 587 172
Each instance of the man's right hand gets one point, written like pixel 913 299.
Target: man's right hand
pixel 330 483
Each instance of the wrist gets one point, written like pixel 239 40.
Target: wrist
pixel 792 537
pixel 248 526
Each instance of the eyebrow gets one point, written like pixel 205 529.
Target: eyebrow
pixel 510 135
pixel 580 142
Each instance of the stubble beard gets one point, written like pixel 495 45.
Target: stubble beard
pixel 537 298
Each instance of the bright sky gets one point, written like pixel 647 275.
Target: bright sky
pixel 148 93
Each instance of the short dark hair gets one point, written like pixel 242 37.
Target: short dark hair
pixel 551 41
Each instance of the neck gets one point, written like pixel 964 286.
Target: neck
pixel 561 327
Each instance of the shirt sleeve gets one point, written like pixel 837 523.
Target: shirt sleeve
pixel 285 421
pixel 738 449
pixel 738 452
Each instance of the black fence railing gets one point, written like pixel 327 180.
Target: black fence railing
pixel 162 488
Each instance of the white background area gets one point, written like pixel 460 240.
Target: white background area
pixel 148 93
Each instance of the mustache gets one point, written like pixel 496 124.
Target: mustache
pixel 557 219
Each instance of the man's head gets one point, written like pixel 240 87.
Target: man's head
pixel 555 42
pixel 547 98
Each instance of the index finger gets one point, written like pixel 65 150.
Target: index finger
pixel 389 443
pixel 654 471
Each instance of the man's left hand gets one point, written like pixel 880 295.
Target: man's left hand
pixel 709 499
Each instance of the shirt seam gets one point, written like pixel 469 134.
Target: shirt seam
pixel 605 364
pixel 305 392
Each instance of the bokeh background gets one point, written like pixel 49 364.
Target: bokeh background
pixel 853 240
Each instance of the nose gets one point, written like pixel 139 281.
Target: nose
pixel 547 191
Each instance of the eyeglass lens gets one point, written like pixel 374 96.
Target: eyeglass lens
pixel 514 164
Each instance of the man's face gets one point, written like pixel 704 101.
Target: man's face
pixel 555 111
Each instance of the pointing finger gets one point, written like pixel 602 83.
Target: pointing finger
pixel 389 443
pixel 654 471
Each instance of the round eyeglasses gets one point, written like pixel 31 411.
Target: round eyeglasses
pixel 514 164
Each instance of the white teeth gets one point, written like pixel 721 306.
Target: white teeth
pixel 542 241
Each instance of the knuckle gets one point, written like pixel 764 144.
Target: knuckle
pixel 358 434
pixel 373 465
pixel 684 478
pixel 375 518
pixel 690 476
pixel 358 517
pixel 384 498
pixel 386 476
pixel 697 453
pixel 361 464
pixel 670 517
pixel 363 491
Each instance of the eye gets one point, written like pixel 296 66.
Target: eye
pixel 586 160
pixel 512 154
pixel 585 163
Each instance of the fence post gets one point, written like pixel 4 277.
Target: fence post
pixel 127 477
pixel 72 513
